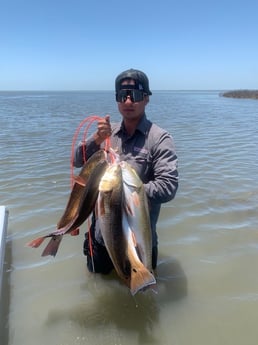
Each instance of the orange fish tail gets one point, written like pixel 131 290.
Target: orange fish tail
pixel 140 279
pixel 36 243
pixel 52 246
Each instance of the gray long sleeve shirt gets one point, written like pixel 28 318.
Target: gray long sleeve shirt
pixel 151 152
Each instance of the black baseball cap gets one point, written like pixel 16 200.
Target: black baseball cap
pixel 140 78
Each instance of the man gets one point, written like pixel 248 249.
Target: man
pixel 148 148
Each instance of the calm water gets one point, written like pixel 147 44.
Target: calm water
pixel 208 271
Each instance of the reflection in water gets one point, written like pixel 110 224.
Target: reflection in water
pixel 113 306
pixel 171 280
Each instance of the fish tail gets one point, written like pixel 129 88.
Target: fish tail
pixel 75 232
pixel 140 279
pixel 52 246
pixel 36 242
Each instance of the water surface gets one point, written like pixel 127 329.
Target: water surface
pixel 208 235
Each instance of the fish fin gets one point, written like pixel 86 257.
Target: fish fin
pixel 136 199
pixel 141 278
pixel 36 242
pixel 134 239
pixel 52 246
pixel 79 180
pixel 153 288
pixel 128 210
pixel 75 232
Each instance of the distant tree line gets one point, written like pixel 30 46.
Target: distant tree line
pixel 241 94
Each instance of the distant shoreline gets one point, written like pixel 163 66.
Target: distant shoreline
pixel 253 94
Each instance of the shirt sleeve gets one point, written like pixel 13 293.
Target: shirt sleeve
pixel 163 185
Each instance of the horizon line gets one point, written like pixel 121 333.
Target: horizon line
pixel 105 90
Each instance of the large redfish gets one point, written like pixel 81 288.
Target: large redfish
pixel 137 211
pixel 80 204
pixel 117 235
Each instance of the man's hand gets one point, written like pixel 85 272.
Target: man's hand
pixel 103 131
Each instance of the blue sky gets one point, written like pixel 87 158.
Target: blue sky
pixel 83 44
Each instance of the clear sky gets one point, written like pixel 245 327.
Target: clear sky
pixel 84 44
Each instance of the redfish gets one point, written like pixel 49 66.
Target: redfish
pixel 137 212
pixel 80 204
pixel 118 237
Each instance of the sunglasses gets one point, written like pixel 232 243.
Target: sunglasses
pixel 135 95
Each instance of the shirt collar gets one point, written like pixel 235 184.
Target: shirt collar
pixel 141 127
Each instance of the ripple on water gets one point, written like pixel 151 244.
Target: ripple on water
pixel 208 235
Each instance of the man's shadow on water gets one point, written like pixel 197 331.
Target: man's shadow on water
pixel 114 306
